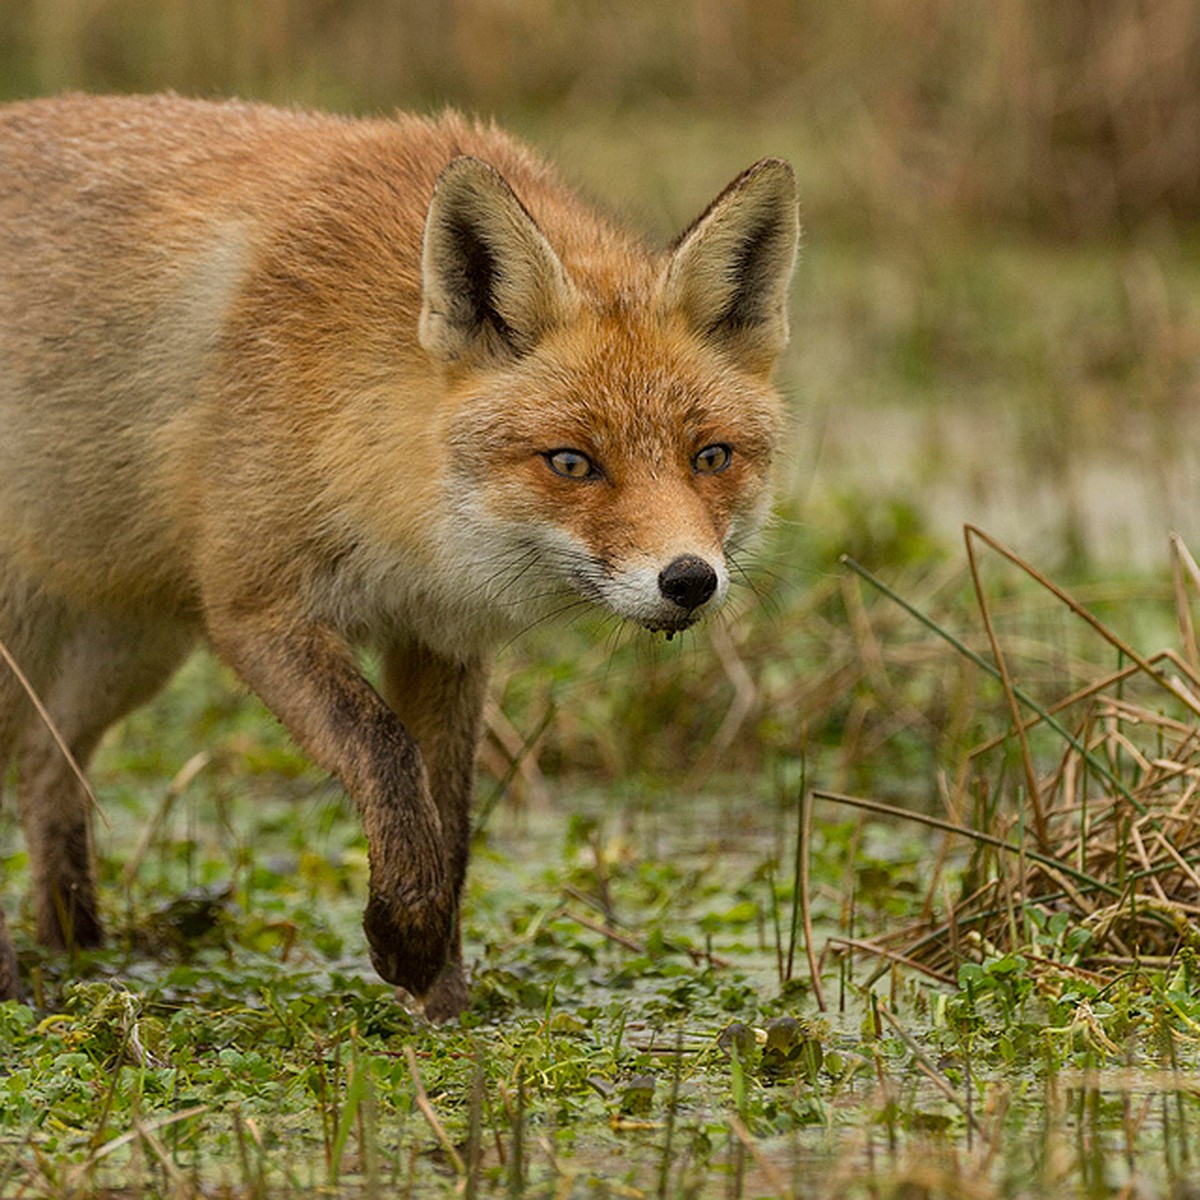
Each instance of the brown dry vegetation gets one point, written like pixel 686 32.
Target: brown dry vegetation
pixel 1081 806
pixel 1077 117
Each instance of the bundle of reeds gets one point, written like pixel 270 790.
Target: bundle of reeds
pixel 1087 856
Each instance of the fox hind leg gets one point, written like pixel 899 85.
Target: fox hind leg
pixel 105 669
pixel 10 987
pixel 30 630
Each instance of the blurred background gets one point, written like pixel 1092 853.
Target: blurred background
pixel 996 317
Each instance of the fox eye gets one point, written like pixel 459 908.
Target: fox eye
pixel 573 464
pixel 712 459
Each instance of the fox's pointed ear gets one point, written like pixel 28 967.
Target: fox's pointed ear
pixel 729 272
pixel 492 285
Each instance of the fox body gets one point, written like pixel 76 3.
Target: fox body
pixel 299 384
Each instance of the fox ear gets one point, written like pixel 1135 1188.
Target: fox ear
pixel 729 272
pixel 492 285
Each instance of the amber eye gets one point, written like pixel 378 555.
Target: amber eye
pixel 572 464
pixel 712 459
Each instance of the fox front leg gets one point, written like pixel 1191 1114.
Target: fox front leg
pixel 307 676
pixel 440 701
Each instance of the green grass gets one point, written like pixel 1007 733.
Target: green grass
pixel 644 1020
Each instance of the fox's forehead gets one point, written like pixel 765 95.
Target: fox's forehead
pixel 625 380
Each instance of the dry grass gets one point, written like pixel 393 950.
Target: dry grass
pixel 1086 805
pixel 1073 116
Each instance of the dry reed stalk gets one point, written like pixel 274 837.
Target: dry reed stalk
pixel 1114 838
pixel 421 1099
pixel 43 715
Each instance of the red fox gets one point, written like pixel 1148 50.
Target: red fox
pixel 301 384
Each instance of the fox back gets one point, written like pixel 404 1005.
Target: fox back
pixel 300 383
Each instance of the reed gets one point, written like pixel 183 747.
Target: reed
pixel 1074 116
pixel 1101 824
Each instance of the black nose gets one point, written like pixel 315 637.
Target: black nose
pixel 688 581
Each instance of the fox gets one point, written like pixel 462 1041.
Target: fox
pixel 305 386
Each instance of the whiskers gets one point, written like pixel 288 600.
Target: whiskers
pixel 577 605
pixel 544 583
pixel 527 583
pixel 772 581
pixel 515 579
pixel 505 572
pixel 747 574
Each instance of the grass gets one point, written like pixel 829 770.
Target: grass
pixel 1071 117
pixel 1106 837
pixel 649 1016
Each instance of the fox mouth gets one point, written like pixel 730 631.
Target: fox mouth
pixel 645 601
pixel 668 623
pixel 671 628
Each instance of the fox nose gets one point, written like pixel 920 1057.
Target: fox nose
pixel 688 581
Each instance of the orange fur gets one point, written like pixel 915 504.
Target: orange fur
pixel 296 383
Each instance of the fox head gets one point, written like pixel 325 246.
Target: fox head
pixel 612 420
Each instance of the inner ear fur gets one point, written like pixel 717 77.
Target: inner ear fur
pixel 729 272
pixel 492 285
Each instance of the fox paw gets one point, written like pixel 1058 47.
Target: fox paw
pixel 448 996
pixel 408 945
